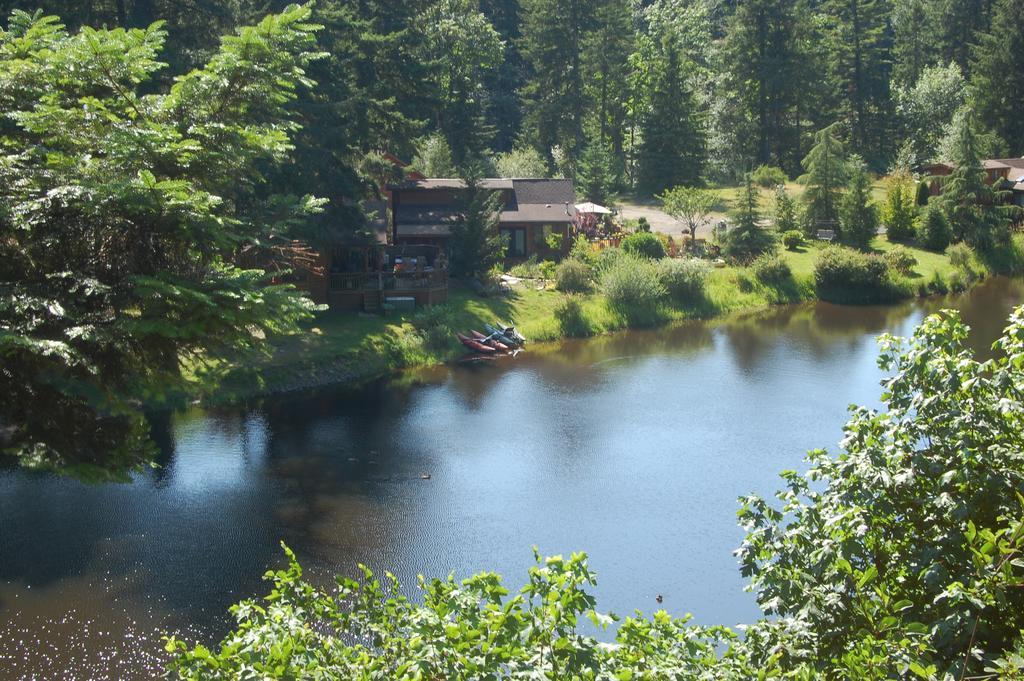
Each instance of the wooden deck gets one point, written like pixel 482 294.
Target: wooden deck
pixel 368 291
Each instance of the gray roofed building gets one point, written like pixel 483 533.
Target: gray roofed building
pixel 531 211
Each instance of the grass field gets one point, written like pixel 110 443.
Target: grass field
pixel 631 207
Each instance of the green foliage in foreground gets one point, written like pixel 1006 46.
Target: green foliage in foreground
pixel 899 558
pixel 124 207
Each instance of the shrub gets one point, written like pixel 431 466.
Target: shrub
pixel 924 193
pixel 937 284
pixel 745 281
pixel 573 276
pixel 571 319
pixel 787 217
pixel 957 283
pixel 684 280
pixel 961 256
pixel 434 327
pixel 607 257
pixel 771 269
pixel 528 269
pixel 899 211
pixel 642 225
pixel 792 239
pixel 582 250
pixel 632 283
pixel 844 275
pixel 554 241
pixel 900 259
pixel 644 244
pixel 745 244
pixel 769 176
pixel 933 230
pixel 547 269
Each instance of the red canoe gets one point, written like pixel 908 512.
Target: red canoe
pixel 487 340
pixel 474 345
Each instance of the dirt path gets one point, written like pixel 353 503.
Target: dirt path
pixel 663 222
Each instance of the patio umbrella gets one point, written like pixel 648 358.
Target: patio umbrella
pixel 592 208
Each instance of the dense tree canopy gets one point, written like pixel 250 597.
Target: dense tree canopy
pixel 761 77
pixel 122 217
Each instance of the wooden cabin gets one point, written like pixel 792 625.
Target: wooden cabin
pixel 1004 173
pixel 532 211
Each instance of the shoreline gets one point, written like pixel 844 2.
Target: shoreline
pixel 354 349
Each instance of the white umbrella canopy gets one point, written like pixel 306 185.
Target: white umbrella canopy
pixel 592 208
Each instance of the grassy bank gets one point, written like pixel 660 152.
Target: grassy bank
pixel 350 347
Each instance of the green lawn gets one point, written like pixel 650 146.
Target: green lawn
pixel 730 196
pixel 928 262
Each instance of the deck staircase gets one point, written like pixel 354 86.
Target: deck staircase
pixel 372 301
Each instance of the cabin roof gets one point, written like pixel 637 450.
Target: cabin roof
pixel 450 183
pixel 530 201
pixel 1012 162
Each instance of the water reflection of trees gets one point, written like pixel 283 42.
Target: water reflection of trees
pixel 824 329
pixel 820 330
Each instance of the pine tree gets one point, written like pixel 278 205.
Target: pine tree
pixel 827 173
pixel 963 21
pixel 596 171
pixel 672 150
pixel 858 215
pixel 916 42
pixel 477 245
pixel 125 217
pixel 345 118
pixel 464 49
pixel 971 206
pixel 786 219
pixel 504 82
pixel 745 239
pixel 553 96
pixel 860 57
pixel 899 213
pixel 997 75
pixel 764 52
pixel 607 47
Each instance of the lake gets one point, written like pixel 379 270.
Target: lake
pixel 632 447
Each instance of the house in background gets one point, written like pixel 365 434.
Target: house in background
pixel 1004 173
pixel 400 260
pixel 532 211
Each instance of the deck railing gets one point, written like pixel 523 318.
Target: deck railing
pixel 388 281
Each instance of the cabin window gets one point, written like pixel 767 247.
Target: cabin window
pixel 540 236
pixel 515 237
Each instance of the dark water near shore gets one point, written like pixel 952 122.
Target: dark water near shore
pixel 633 447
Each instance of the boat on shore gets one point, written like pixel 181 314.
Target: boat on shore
pixel 475 345
pixel 489 341
pixel 498 339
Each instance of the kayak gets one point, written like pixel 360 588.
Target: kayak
pixel 489 340
pixel 474 344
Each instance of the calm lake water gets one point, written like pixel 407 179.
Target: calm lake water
pixel 633 448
